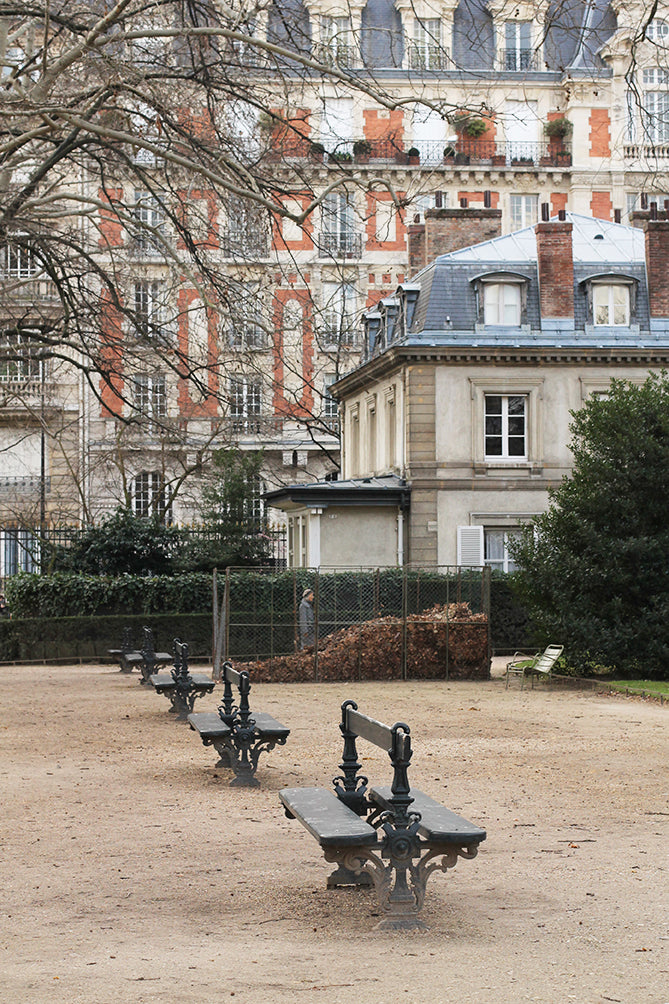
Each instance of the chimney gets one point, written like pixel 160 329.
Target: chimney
pixel 555 261
pixel 450 229
pixel 657 256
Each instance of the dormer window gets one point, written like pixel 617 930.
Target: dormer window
pixel 611 300
pixel 518 52
pixel 426 51
pixel 501 304
pixel 611 305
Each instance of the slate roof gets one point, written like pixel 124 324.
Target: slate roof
pixel 446 312
pixel 575 30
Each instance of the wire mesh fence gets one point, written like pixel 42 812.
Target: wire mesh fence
pixel 353 615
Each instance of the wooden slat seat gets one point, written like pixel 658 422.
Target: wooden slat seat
pixel 238 734
pixel 437 823
pixel 331 822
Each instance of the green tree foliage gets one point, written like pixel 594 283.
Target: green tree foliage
pixel 230 515
pixel 124 543
pixel 594 570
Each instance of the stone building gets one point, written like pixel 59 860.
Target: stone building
pixel 461 407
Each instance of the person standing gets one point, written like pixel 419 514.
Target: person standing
pixel 306 618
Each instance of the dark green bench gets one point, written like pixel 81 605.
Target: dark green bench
pixel 126 656
pixel 181 686
pixel 149 657
pixel 392 837
pixel 238 735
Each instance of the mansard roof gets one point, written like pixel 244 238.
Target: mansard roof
pixel 449 311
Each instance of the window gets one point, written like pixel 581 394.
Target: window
pixel 338 318
pixel 151 395
pixel 148 237
pixel 505 427
pixel 245 233
pixel 150 497
pixel 330 404
pixel 426 51
pixel 150 309
pixel 496 548
pixel 610 304
pixel 19 357
pixel 658 31
pixel 518 53
pixel 524 211
pixel 247 330
pixel 18 260
pixel 245 403
pixel 428 132
pixel 19 551
pixel 501 304
pixel 655 107
pixel 338 237
pixel 336 48
pixel 336 132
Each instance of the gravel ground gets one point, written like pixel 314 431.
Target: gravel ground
pixel 132 872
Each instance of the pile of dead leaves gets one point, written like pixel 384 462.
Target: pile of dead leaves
pixel 444 641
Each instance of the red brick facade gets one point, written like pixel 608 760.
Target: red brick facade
pixel 600 132
pixel 601 205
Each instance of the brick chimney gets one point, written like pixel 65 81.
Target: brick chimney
pixel 555 261
pixel 657 256
pixel 447 230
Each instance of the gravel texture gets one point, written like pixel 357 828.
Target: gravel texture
pixel 132 872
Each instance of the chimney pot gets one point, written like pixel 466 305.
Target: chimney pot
pixel 487 200
pixel 653 210
pixel 562 215
pixel 617 215
pixel 644 201
pixel 545 212
pixel 463 203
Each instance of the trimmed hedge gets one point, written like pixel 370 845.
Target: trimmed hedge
pixel 74 638
pixel 510 627
pixel 66 594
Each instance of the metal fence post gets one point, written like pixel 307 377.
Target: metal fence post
pixel 405 607
pixel 225 627
pixel 316 619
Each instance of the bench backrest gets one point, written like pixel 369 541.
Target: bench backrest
pixel 395 740
pixel 147 645
pixel 241 680
pixel 180 653
pixel 547 659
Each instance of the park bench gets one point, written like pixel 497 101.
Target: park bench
pixel 126 655
pixel 180 686
pixel 396 836
pixel 238 735
pixel 150 658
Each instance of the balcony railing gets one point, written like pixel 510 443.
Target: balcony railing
pixel 245 244
pixel 24 482
pixel 428 57
pixel 519 59
pixel 646 151
pixel 32 289
pixel 336 54
pixel 340 245
pixel 255 425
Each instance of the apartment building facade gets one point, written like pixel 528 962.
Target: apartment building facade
pixel 518 105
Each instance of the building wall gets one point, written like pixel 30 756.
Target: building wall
pixel 344 530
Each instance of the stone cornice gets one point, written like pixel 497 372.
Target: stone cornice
pixel 405 355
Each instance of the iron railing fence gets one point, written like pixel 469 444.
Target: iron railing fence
pixel 22 548
pixel 259 616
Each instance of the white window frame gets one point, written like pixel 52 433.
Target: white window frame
pixel 426 49
pixel 530 387
pixel 247 330
pixel 523 210
pixel 245 402
pixel 603 296
pixel 508 422
pixel 150 496
pixel 490 533
pixel 148 235
pixel 150 396
pixel 518 46
pixel 505 299
pixel 336 41
pixel 339 314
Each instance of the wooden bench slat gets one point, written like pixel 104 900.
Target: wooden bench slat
pixel 369 729
pixel 209 724
pixel 437 823
pixel 331 822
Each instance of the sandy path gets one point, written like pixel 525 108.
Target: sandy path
pixel 132 872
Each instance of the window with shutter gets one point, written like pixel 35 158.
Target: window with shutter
pixel 470 546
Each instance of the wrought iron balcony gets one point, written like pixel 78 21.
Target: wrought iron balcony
pixel 519 59
pixel 247 244
pixel 345 244
pixel 336 54
pixel 429 57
